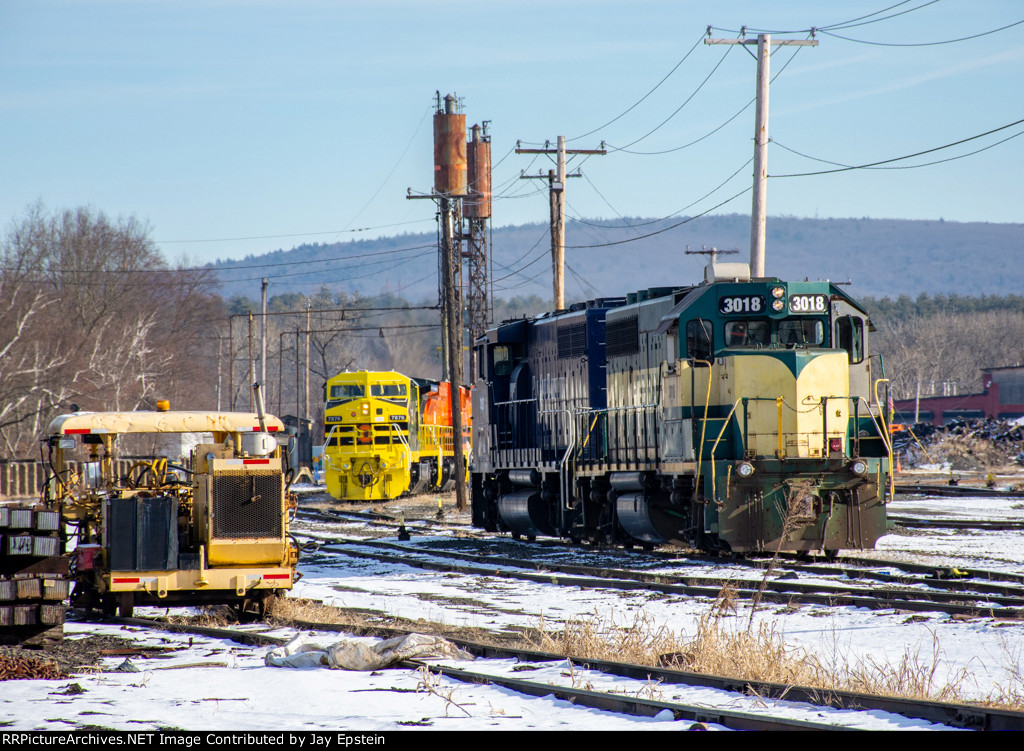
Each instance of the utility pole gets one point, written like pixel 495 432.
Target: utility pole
pixel 252 364
pixel 758 209
pixel 450 187
pixel 263 334
pixel 305 414
pixel 556 185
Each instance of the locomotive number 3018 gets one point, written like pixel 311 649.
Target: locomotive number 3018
pixel 807 303
pixel 740 304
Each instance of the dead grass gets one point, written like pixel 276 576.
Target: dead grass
pixel 721 646
pixel 293 610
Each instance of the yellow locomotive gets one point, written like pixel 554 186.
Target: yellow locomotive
pixel 387 435
pixel 210 529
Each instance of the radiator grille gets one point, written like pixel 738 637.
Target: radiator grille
pixel 572 340
pixel 246 505
pixel 623 337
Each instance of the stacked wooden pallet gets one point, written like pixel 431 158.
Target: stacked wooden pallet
pixel 34 573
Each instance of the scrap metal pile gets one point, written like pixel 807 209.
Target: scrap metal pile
pixel 963 444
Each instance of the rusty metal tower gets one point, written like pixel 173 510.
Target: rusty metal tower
pixel 450 189
pixel 476 209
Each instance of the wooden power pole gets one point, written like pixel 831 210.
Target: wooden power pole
pixel 450 187
pixel 758 209
pixel 556 182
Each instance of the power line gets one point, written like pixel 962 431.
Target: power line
pixel 925 44
pixel 666 229
pixel 905 166
pixel 907 156
pixel 394 166
pixel 680 107
pixel 215 269
pixel 714 130
pixel 674 213
pixel 293 234
pixel 842 24
pixel 858 21
pixel 641 99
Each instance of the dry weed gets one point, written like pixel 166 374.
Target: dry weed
pixel 431 684
pixel 576 679
pixel 721 647
pixel 298 609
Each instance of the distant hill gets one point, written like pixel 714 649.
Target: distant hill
pixel 880 257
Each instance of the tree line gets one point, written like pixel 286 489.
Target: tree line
pixel 92 317
pixel 940 343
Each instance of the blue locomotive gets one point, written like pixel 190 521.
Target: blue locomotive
pixel 738 414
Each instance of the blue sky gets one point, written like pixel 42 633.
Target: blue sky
pixel 303 121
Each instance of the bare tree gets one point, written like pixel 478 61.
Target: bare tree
pixel 91 313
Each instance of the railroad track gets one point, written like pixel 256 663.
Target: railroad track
pixel 955 715
pixel 919 591
pixel 915 522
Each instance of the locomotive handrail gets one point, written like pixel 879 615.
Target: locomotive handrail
pixel 615 409
pixel 703 424
pixel 407 456
pixel 328 457
pixel 886 435
pixel 854 399
pixel 725 424
pixel 563 475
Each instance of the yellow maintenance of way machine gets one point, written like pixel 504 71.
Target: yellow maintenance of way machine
pixel 211 528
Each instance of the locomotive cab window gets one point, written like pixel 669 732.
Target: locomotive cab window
pixel 850 336
pixel 699 345
pixel 347 391
pixel 386 390
pixel 748 333
pixel 801 332
pixel 338 394
pixel 502 360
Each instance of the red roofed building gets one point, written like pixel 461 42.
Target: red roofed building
pixel 1003 398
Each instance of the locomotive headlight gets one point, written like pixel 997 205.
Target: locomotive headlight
pixel 859 467
pixel 778 292
pixel 366 408
pixel 744 469
pixel 778 305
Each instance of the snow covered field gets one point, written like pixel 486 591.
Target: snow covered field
pixel 238 692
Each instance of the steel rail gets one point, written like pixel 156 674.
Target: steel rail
pixel 946 713
pixel 784 592
pixel 961 582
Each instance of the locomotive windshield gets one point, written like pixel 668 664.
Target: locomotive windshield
pixel 387 389
pixel 748 333
pixel 347 391
pixel 807 332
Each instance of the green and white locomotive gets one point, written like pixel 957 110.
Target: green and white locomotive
pixel 739 414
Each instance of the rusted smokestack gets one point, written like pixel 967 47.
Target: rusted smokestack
pixel 450 149
pixel 478 153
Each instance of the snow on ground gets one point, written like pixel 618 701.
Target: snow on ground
pixel 238 692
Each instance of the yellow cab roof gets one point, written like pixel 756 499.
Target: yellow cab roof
pixel 161 422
